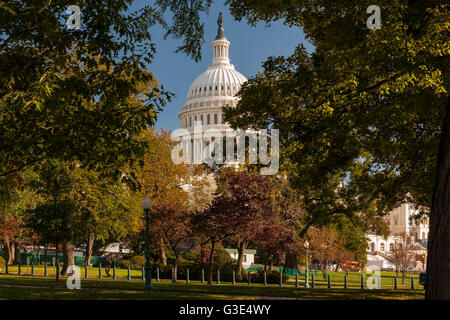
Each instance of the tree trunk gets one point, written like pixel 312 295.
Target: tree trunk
pixel 211 261
pixel 290 262
pixel 162 248
pixel 265 261
pixel 17 248
pixel 202 255
pixel 88 252
pixel 438 266
pixel 68 257
pixel 324 266
pixel 242 245
pixel 9 250
pixel 57 262
pixel 175 268
pixel 45 254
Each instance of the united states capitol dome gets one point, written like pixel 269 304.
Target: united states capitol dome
pixel 213 89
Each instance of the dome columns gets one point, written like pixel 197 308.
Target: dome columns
pixel 220 51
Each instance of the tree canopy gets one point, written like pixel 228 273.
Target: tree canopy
pixel 366 113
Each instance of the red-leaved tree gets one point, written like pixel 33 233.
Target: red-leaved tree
pixel 240 199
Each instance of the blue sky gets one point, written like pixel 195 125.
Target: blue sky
pixel 250 46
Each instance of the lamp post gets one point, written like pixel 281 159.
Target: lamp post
pixel 306 244
pixel 146 204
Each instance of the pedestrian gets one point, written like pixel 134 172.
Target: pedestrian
pixel 107 266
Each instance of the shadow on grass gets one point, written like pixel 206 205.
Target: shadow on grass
pixel 41 288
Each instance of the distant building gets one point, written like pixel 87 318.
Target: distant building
pixel 400 221
pixel 249 256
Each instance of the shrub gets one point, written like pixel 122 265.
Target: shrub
pixel 135 263
pixel 272 277
pixel 221 257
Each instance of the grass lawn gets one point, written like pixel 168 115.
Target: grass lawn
pixel 337 278
pixel 26 287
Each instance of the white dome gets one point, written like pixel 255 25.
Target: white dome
pixel 213 89
pixel 218 80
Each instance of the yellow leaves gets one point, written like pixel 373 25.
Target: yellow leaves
pixel 326 108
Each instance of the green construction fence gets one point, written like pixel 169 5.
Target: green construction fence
pixel 40 259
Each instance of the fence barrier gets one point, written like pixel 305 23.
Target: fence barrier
pixel 342 280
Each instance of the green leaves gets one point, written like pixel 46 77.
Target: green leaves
pixel 360 118
pixel 83 94
pixel 186 23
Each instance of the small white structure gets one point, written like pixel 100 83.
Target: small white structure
pixel 378 262
pixel 249 256
pixel 116 248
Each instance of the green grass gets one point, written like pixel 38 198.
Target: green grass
pixel 12 287
pixel 92 272
pixel 354 280
pixel 23 293
pixel 337 278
